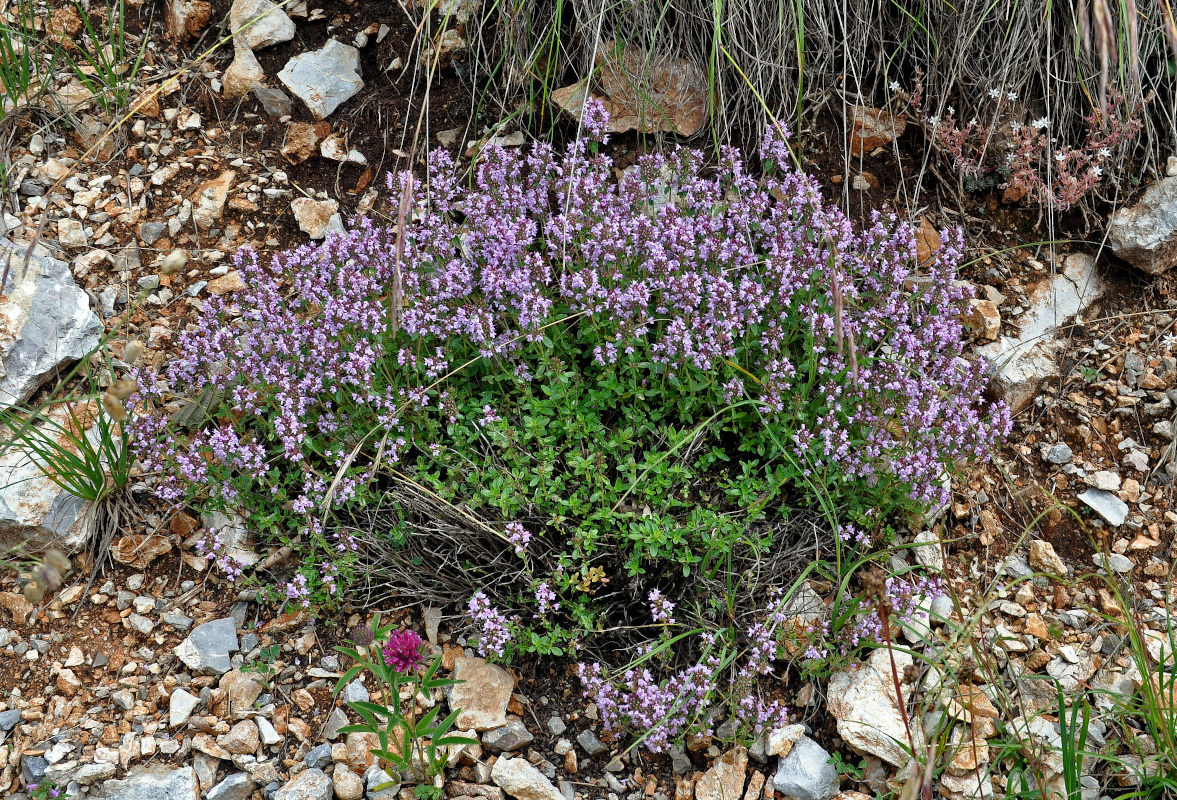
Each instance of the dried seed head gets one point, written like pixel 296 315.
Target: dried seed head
pixel 174 261
pixel 48 576
pixel 132 351
pixel 34 592
pixel 122 389
pixel 58 560
pixel 114 407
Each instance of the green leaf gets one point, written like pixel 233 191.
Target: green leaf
pixel 346 679
pixel 360 706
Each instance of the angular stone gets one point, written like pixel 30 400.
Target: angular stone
pixel 1019 364
pixel 241 690
pixel 243 75
pixel 324 79
pixel 482 695
pixel 1104 480
pixel 508 738
pixel 209 645
pixel 983 319
pixel 275 102
pixel 374 779
pixel 259 23
pixel 241 739
pixel 867 712
pixel 310 784
pixel 1107 505
pixel 1059 453
pixel 208 201
pixel 45 322
pixel 1044 559
pixel 35 511
pixel 518 778
pixel 185 19
pixel 180 706
pixel 591 744
pixel 269 735
pixel 1145 235
pixel 154 784
pixel 139 549
pixel 313 216
pixel 806 773
pixel 238 786
pixel 725 779
pixel 302 141
pixel 871 128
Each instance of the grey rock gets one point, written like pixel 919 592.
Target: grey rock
pixel 123 599
pixel 267 732
pixel 1107 505
pixel 153 784
pixel 180 706
pixel 150 232
pixel 310 784
pixel 248 642
pixel 556 725
pixel 509 737
pixel 32 768
pixel 1058 453
pixel 680 762
pixel 140 623
pixel 374 778
pixel 92 773
pixel 275 102
pixel 319 756
pixel 1115 562
pixel 238 786
pixel 124 699
pixel 355 692
pixel 208 646
pixel 259 23
pixel 45 322
pixel 591 744
pixel 928 550
pixel 1019 364
pixel 335 721
pixel 806 773
pixel 324 79
pixel 178 620
pixel 1145 235
pixel 9 719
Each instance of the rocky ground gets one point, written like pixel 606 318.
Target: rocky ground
pixel 155 681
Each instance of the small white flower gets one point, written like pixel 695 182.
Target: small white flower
pixel 951 110
pixel 972 122
pixel 1096 171
pixel 1060 157
pixel 1103 152
pixel 894 86
pixel 994 92
pixel 1040 123
pixel 1015 126
pixel 1169 341
pixel 934 120
pixel 1011 96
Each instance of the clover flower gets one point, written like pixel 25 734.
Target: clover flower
pixel 402 651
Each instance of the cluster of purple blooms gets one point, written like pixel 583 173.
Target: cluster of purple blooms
pixel 705 273
pixel 494 627
pixel 664 711
pixel 212 548
pixel 754 283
